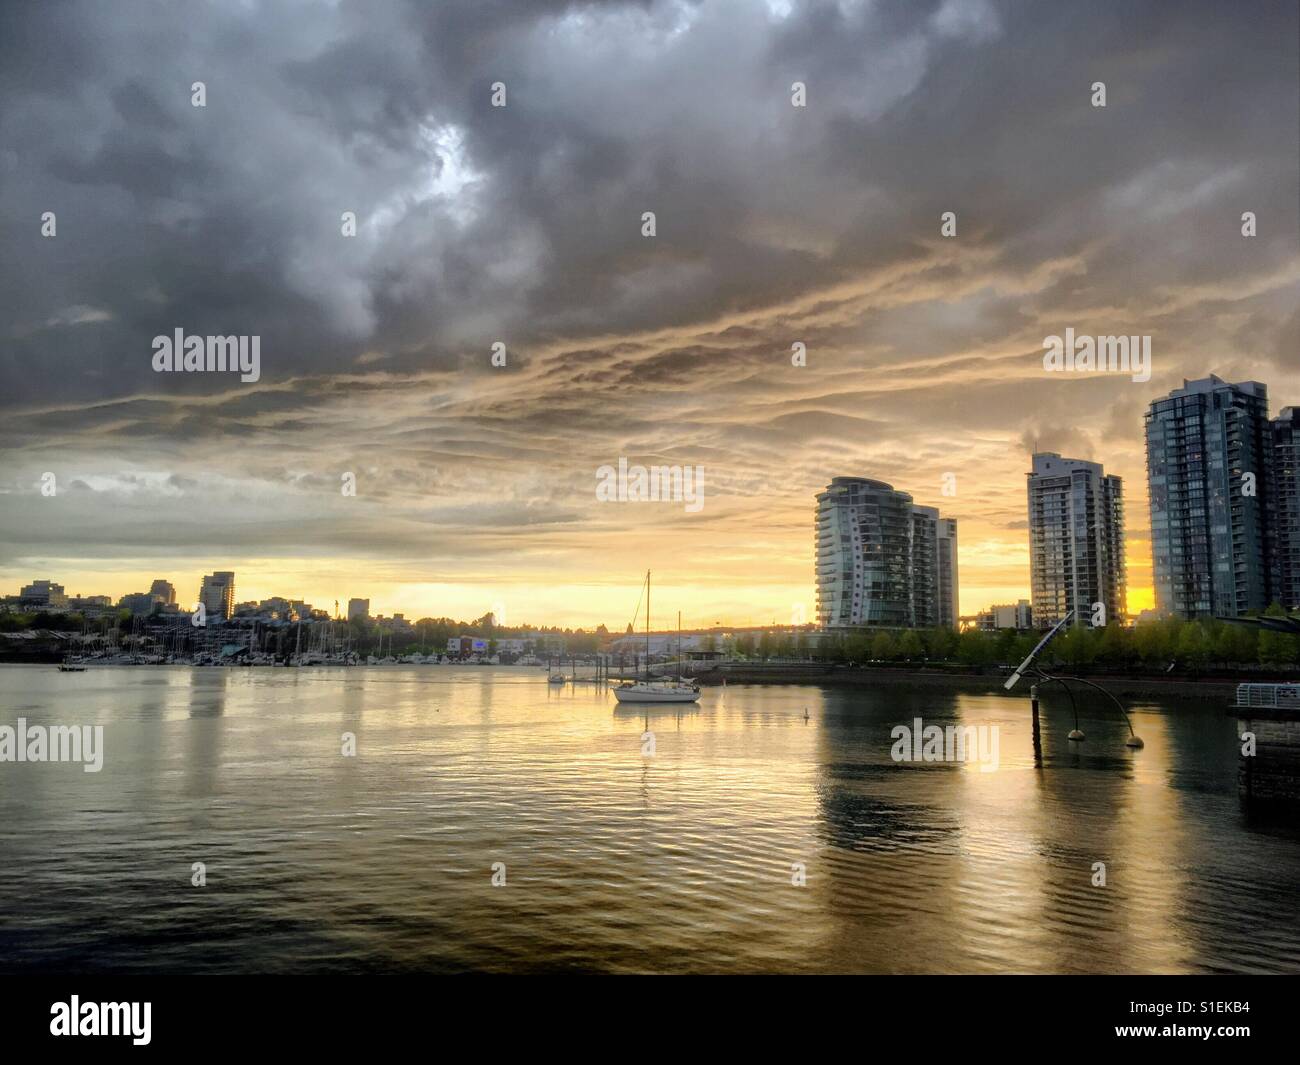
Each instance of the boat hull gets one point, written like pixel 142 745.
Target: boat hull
pixel 648 694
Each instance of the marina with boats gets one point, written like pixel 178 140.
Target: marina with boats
pixel 642 677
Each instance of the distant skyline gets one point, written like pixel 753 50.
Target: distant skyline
pixel 522 225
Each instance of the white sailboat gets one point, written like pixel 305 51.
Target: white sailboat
pixel 652 691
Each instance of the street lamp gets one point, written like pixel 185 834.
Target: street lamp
pixel 1134 740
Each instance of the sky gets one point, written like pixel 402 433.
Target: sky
pixel 522 225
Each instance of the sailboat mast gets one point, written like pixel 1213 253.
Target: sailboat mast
pixel 647 624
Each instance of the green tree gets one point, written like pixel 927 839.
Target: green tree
pixel 1077 647
pixel 940 643
pixel 1004 645
pixel 1277 648
pixel 834 649
pixel 910 646
pixel 1025 642
pixel 1152 643
pixel 857 646
pixel 1193 646
pixel 1116 646
pixel 1234 644
pixel 883 647
pixel 975 648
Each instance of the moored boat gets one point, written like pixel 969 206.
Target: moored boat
pixel 650 690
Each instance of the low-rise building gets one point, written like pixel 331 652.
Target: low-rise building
pixel 1017 615
pixel 43 595
pixel 140 603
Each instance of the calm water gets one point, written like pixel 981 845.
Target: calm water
pixel 614 861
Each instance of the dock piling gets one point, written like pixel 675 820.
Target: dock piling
pixel 1033 707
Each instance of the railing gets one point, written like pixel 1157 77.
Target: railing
pixel 1269 696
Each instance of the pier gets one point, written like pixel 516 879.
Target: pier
pixel 1268 725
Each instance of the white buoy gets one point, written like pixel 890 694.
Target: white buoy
pixel 1135 742
pixel 1076 734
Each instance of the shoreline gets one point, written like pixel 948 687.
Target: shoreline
pixel 1217 688
pixel 1212 688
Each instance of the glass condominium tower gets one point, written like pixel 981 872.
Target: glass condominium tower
pixel 1209 522
pixel 1284 490
pixel 946 546
pixel 882 560
pixel 934 563
pixel 1076 540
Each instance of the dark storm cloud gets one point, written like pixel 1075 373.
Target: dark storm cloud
pixel 225 219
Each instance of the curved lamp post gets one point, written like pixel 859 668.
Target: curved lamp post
pixel 1134 740
pixel 1076 733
